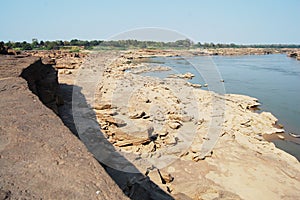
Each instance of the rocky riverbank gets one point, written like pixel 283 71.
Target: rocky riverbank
pixel 166 122
pixel 142 54
pixel 159 126
pixel 294 54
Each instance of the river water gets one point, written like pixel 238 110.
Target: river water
pixel 273 79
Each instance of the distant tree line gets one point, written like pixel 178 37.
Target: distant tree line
pixel 127 44
pixel 51 45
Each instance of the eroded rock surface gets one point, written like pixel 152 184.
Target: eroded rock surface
pixel 172 118
pixel 161 125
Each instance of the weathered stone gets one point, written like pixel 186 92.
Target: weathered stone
pixel 178 117
pixel 187 75
pixel 103 106
pixel 165 177
pixel 135 142
pixel 115 121
pixel 174 124
pixel 137 115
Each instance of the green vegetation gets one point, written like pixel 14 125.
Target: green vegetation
pixel 76 45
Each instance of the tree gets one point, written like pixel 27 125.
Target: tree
pixel 35 43
pixel 74 42
pixel 26 46
pixel 9 44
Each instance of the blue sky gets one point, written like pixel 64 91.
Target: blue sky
pixel 224 21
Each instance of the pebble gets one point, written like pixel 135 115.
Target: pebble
pixel 281 137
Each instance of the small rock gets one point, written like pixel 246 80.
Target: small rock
pixel 183 118
pixel 165 177
pixel 171 140
pixel 163 133
pixel 281 137
pixel 194 85
pixel 168 178
pixel 188 75
pixel 115 121
pixel 200 122
pixel 137 115
pixel 67 72
pixel 174 124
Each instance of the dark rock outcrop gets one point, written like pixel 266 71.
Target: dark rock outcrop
pixel 293 55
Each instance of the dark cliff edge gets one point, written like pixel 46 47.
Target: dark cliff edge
pixel 42 81
pixel 39 156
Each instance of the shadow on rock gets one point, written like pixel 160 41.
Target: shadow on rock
pixel 80 118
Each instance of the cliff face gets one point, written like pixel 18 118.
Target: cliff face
pixel 39 157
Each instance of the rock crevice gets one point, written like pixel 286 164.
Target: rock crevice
pixel 42 81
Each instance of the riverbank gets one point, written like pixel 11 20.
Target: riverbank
pixel 273 79
pixel 158 121
pixel 164 123
pixel 142 53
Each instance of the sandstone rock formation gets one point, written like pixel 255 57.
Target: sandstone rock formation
pixel 243 165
